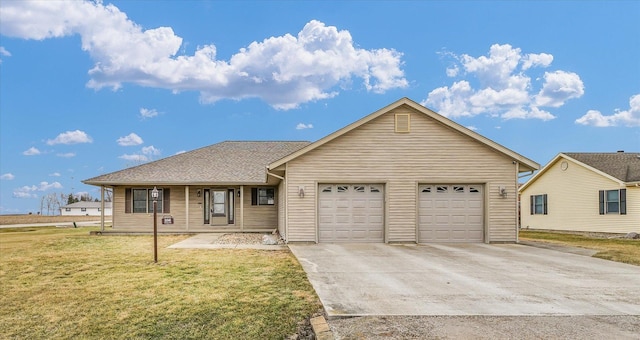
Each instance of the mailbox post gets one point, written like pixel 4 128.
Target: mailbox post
pixel 154 195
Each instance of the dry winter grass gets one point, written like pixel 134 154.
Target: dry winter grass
pixel 63 284
pixel 614 249
pixel 26 219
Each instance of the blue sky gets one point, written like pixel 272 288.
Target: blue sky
pixel 88 88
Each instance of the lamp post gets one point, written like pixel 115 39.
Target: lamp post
pixel 154 195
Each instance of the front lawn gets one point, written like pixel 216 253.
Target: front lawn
pixel 614 249
pixel 63 283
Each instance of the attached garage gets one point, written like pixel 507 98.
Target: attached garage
pixel 450 213
pixel 350 213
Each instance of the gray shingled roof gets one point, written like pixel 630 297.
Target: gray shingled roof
pixel 225 162
pixel 624 166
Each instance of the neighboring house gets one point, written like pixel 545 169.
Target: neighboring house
pixel 401 174
pixel 597 192
pixel 83 208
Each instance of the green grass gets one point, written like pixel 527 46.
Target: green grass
pixel 63 283
pixel 614 249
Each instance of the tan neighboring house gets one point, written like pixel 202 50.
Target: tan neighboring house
pixel 84 208
pixel 401 174
pixel 598 192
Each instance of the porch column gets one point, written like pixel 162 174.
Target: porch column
pixel 242 207
pixel 102 208
pixel 186 205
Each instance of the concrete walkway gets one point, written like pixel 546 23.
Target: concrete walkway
pixel 208 241
pixel 466 279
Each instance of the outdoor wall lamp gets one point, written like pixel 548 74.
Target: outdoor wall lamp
pixel 198 193
pixel 238 193
pixel 301 192
pixel 502 191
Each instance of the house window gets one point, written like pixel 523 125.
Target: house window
pixel 142 202
pixel 263 196
pixel 67 209
pixel 83 209
pixel 613 202
pixel 538 204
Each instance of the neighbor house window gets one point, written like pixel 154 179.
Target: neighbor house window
pixel 83 209
pixel 613 201
pixel 139 201
pixel 538 204
pixel 263 196
pixel 67 209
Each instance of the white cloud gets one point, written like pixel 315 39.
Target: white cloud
pixel 30 191
pixel 148 113
pixel 630 117
pixel 503 89
pixel 150 150
pixel 4 53
pixel 181 151
pixel 32 151
pixel 66 155
pixel 71 137
pixel 284 71
pixel 472 128
pixel 559 86
pixel 130 140
pixel 135 158
pixel 302 126
pixel 55 174
pixel 7 177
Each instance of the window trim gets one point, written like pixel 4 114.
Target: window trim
pixel 603 198
pixel 256 196
pixel 534 205
pixel 163 201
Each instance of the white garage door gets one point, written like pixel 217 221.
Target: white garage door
pixel 350 213
pixel 450 213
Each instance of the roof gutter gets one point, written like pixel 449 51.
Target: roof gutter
pixel 528 173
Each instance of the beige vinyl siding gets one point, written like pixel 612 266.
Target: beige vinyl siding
pixel 260 217
pixel 144 222
pixel 573 202
pixel 375 153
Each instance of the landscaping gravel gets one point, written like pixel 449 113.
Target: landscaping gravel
pixel 245 238
pixel 487 327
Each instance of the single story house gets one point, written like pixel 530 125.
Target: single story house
pixel 597 192
pixel 84 208
pixel 401 174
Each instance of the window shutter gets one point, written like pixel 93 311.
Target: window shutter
pixel 601 202
pixel 544 202
pixel 166 200
pixel 623 201
pixel 127 200
pixel 533 203
pixel 254 196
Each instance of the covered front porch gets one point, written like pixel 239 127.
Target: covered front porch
pixel 195 208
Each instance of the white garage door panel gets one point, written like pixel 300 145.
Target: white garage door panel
pixel 351 213
pixel 450 213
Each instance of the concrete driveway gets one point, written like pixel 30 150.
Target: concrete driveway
pixel 466 279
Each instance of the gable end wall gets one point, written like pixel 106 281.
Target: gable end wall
pixel 375 153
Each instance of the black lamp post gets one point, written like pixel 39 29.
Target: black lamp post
pixel 154 195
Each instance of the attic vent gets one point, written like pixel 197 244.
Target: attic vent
pixel 403 122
